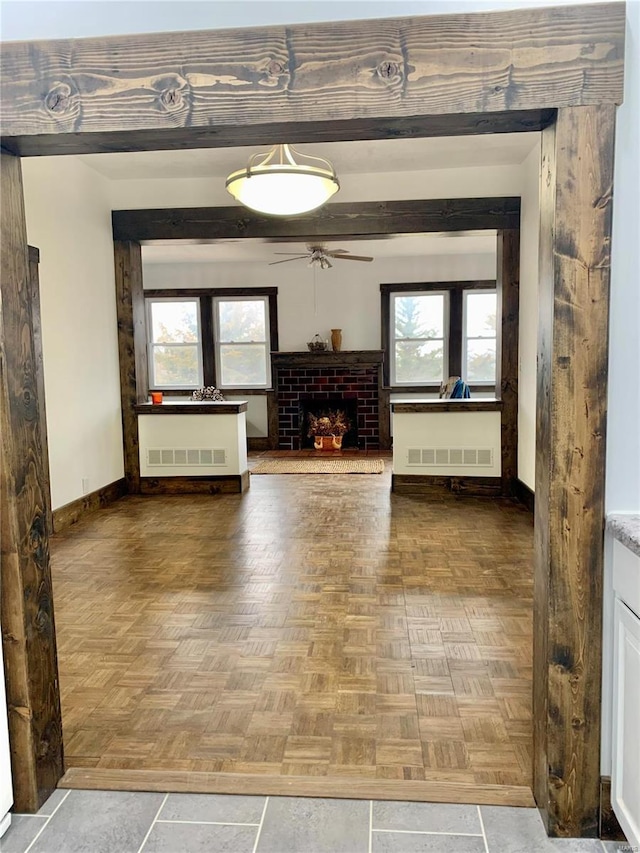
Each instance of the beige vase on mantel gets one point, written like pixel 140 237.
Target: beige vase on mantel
pixel 336 340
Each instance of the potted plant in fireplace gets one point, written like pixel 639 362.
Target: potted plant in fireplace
pixel 327 429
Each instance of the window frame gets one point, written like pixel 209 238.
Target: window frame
pixel 151 344
pixel 453 334
pixel 482 383
pixel 205 296
pixel 393 296
pixel 218 343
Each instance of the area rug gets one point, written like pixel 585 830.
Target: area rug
pixel 319 466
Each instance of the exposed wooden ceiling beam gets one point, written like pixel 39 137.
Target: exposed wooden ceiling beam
pixel 332 80
pixel 365 220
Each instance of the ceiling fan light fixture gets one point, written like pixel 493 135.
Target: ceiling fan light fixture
pixel 281 184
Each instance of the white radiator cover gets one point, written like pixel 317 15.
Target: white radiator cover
pixel 447 444
pixel 192 445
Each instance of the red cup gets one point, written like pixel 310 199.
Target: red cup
pixel 156 397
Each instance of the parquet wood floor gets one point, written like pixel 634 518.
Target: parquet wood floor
pixel 314 626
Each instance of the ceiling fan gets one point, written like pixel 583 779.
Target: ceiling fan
pixel 321 256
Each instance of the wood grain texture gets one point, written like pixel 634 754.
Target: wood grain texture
pixel 576 203
pixel 432 484
pixel 237 83
pixel 72 512
pixel 384 414
pixel 456 320
pixel 132 351
pixel 223 484
pixel 443 405
pixel 328 358
pixel 609 828
pixel 508 296
pixel 28 628
pixel 296 786
pixel 363 220
pixel 195 408
pixel 36 324
pixel 207 338
pixel 184 138
pixel 272 417
pixel 314 626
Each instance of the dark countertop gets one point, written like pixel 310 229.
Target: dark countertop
pixel 192 407
pixel 417 406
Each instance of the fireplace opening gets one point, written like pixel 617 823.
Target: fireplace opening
pixel 329 407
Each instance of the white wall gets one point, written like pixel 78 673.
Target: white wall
pixel 472 182
pixel 69 220
pixel 347 296
pixel 528 329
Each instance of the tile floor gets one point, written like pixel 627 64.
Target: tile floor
pixel 120 822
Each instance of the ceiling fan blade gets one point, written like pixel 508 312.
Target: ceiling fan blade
pixel 294 254
pixel 351 258
pixel 287 260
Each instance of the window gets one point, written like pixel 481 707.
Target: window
pixel 436 330
pixel 479 338
pixel 222 337
pixel 241 337
pixel 174 343
pixel 418 351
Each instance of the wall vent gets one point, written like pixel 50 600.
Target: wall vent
pixel 186 456
pixel 477 457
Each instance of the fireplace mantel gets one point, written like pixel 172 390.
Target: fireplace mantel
pixel 327 358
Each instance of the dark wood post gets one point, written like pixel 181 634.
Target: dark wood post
pixel 132 346
pixel 26 602
pixel 508 301
pixel 36 322
pixel 575 242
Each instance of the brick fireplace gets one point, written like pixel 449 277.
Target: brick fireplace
pixel 355 376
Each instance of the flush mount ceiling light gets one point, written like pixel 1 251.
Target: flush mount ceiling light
pixel 280 184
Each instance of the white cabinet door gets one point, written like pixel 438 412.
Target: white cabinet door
pixel 625 776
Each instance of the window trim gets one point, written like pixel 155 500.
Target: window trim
pixel 151 344
pixel 205 296
pixel 217 343
pixel 463 373
pixel 393 339
pixel 455 330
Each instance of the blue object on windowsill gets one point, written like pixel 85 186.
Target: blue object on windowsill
pixel 460 391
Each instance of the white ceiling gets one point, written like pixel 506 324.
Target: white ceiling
pixel 348 158
pixel 260 251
